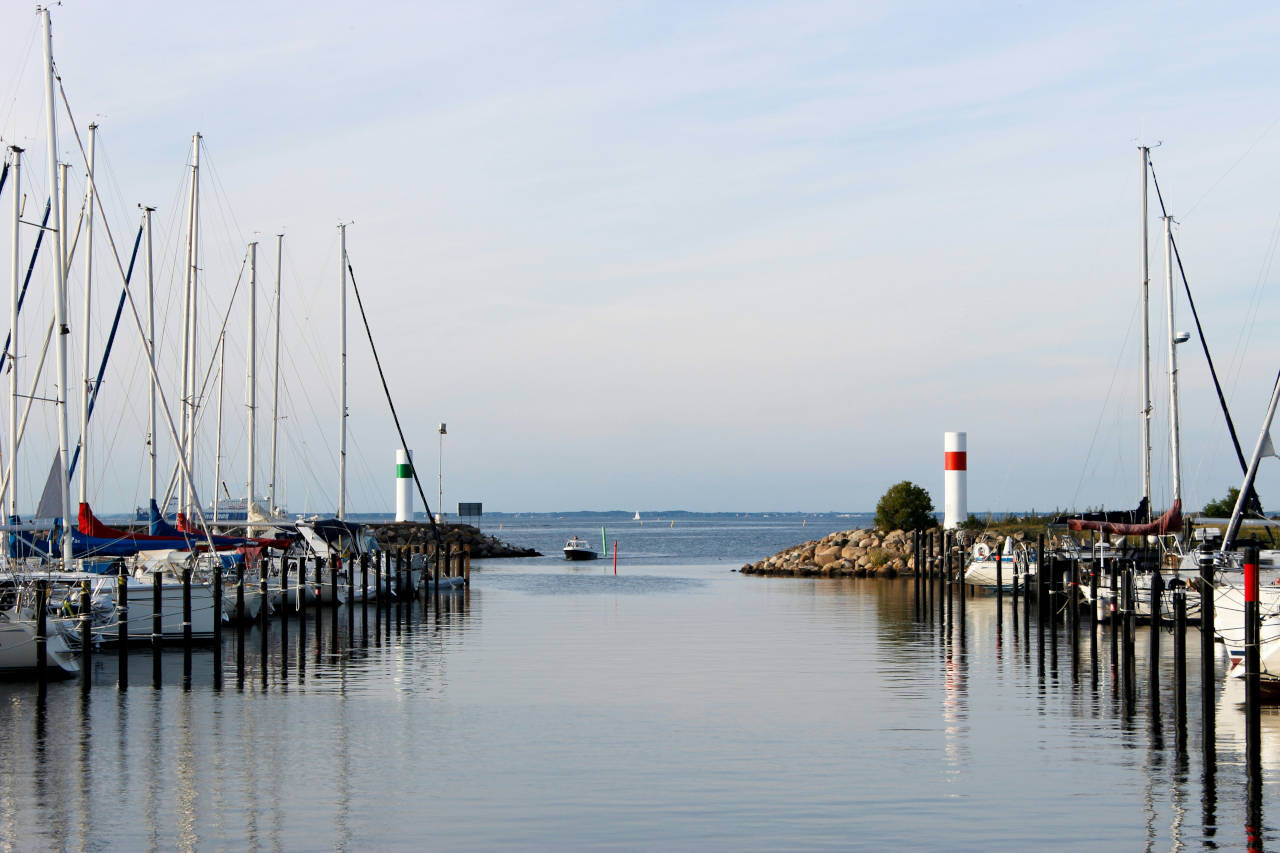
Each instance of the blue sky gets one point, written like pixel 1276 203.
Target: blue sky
pixel 707 256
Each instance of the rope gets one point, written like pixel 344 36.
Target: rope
pixel 435 529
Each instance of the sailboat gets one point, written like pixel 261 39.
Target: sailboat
pixel 637 518
pixel 1167 527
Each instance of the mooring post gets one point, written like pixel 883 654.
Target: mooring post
pixel 351 602
pixel 949 580
pixel 240 626
pixel 364 584
pixel 1252 650
pixel 1207 649
pixel 302 596
pixel 1000 584
pixel 302 619
pixel 319 608
pixel 1073 583
pixel 1252 701
pixel 264 614
pixel 186 628
pixel 1153 664
pixel 1042 571
pixel 1093 599
pixel 377 597
pixel 42 607
pixel 334 565
pixel 1015 591
pixel 122 629
pixel 157 608
pixel 284 618
pixel 86 634
pixel 217 622
pixel 964 589
pixel 1127 639
pixel 284 596
pixel 1180 666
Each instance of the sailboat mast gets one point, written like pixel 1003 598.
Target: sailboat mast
pixel 1174 437
pixel 184 488
pixel 60 293
pixel 1146 343
pixel 342 420
pixel 1263 447
pixel 251 379
pixel 275 389
pixel 217 450
pixel 151 346
pixel 14 292
pixel 87 379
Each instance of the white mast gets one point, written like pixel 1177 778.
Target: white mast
pixel 217 451
pixel 1146 343
pixel 151 346
pixel 1174 439
pixel 190 370
pixel 60 293
pixel 16 284
pixel 84 334
pixel 342 420
pixel 275 391
pixel 251 380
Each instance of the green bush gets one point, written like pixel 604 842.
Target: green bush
pixel 905 506
pixel 1223 507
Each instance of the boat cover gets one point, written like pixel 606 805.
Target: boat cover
pixel 1170 522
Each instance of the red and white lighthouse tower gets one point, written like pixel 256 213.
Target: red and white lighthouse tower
pixel 956 500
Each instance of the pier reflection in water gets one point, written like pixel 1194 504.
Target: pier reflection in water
pixel 679 705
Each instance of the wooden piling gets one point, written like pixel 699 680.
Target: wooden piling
pixel 466 569
pixel 186 628
pixel 157 638
pixel 284 618
pixel 1073 607
pixel 42 612
pixel 1000 584
pixel 86 635
pixel 264 614
pixel 1153 664
pixel 1252 646
pixel 1042 572
pixel 240 627
pixel 1180 666
pixel 217 623
pixel 351 601
pixel 915 571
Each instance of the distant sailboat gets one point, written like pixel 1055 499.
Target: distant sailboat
pixel 637 518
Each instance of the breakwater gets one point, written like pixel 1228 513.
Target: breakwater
pixel 401 535
pixel 860 552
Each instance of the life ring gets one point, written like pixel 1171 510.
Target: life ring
pixel 981 551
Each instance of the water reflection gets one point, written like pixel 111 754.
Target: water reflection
pixel 658 715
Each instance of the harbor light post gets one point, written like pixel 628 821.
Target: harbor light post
pixel 440 477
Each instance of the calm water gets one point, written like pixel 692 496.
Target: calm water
pixel 678 705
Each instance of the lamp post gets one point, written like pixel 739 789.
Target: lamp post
pixel 440 476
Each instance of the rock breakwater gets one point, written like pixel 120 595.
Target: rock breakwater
pixel 854 553
pixel 848 553
pixel 406 534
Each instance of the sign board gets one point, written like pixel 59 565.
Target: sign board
pixel 472 510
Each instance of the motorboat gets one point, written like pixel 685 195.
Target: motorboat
pixel 578 549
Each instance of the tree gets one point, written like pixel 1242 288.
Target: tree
pixel 905 506
pixel 1223 507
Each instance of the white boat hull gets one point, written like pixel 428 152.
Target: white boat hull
pixel 18 651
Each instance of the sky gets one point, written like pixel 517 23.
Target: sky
pixel 707 256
